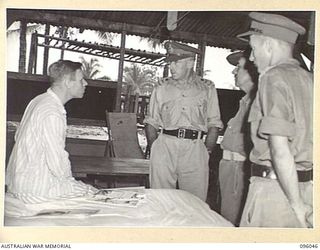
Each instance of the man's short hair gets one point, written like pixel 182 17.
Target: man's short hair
pixel 61 68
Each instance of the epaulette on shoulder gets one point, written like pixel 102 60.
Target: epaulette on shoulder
pixel 163 81
pixel 207 82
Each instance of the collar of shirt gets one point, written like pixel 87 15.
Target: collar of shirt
pixel 58 101
pixel 186 84
pixel 246 99
pixel 288 61
pixel 193 81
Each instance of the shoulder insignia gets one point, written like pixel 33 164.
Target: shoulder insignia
pixel 163 81
pixel 204 83
pixel 207 82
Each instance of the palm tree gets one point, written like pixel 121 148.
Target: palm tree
pixel 90 68
pixel 137 78
pixel 152 42
pixel 106 37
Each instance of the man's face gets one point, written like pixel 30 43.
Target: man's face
pixel 180 69
pixel 259 53
pixel 77 84
pixel 242 76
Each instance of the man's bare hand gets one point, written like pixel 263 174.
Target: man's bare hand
pixel 304 213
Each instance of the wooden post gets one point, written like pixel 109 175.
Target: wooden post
pixel 166 71
pixel 143 105
pixel 136 103
pixel 200 59
pixel 311 29
pixel 64 34
pixel 117 107
pixel 46 51
pixel 127 99
pixel 35 55
pixel 311 39
pixel 31 52
pixel 32 67
pixel 23 46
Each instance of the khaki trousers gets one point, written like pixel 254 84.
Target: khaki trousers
pixel 267 205
pixel 233 181
pixel 184 160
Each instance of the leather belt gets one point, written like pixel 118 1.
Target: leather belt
pixel 233 156
pixel 268 172
pixel 185 133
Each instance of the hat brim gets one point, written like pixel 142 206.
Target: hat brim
pixel 234 58
pixel 174 58
pixel 246 35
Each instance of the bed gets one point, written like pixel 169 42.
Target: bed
pixel 156 208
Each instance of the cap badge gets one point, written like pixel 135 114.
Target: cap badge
pixel 169 49
pixel 256 30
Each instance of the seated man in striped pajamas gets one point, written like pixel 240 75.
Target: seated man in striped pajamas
pixel 39 168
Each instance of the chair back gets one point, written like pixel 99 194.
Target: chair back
pixel 123 139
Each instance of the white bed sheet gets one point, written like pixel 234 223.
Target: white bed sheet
pixel 160 208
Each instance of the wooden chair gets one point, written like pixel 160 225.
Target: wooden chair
pixel 123 140
pixel 122 143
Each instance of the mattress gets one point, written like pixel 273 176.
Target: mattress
pixel 155 208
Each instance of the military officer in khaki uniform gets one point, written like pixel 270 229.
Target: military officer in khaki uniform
pixel 186 109
pixel 281 188
pixel 236 144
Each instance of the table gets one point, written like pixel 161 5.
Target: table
pixel 99 167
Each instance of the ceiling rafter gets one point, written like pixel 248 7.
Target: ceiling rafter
pixel 218 28
pixel 39 16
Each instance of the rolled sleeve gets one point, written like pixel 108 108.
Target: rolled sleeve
pixel 278 115
pixel 214 119
pixel 276 126
pixel 215 122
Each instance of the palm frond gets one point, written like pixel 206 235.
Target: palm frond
pixel 106 37
pixel 90 68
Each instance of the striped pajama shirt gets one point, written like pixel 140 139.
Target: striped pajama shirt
pixel 39 168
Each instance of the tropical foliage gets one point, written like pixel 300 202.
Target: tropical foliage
pixel 138 80
pixel 92 68
pixel 106 37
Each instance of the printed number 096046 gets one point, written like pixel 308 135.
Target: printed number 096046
pixel 308 245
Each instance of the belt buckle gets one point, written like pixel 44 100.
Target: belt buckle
pixel 264 173
pixel 181 133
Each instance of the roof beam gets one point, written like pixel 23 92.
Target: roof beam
pixel 39 16
pixel 211 40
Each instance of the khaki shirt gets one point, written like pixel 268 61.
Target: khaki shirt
pixel 236 138
pixel 194 106
pixel 283 106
